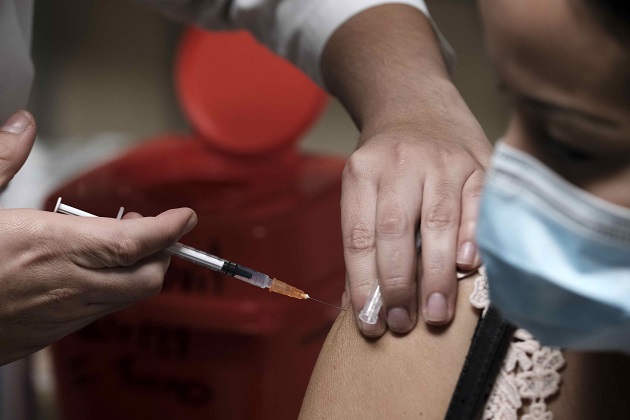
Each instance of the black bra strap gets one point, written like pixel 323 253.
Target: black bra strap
pixel 488 348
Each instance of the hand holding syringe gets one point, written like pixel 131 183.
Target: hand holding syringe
pixel 213 262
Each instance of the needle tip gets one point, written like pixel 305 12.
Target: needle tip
pixel 326 303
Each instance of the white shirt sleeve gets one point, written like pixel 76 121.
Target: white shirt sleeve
pixel 295 29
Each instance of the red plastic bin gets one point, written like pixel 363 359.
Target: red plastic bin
pixel 210 346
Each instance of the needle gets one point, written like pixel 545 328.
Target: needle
pixel 326 303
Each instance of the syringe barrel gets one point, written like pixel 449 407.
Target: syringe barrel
pixel 253 277
pixel 219 264
pixel 194 255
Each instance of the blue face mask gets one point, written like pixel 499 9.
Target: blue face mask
pixel 557 257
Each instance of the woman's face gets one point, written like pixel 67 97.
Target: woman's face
pixel 570 81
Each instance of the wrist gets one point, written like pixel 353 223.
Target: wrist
pixel 431 98
pixel 385 64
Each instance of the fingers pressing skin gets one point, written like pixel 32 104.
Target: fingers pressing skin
pixel 439 225
pixel 417 135
pixel 357 224
pixel 17 135
pixel 396 219
pixel 393 186
pixel 467 253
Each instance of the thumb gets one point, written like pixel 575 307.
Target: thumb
pixel 17 135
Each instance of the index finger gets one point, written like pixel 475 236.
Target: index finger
pixel 358 207
pixel 396 216
pixel 439 226
pixel 103 242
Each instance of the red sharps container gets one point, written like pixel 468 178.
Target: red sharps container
pixel 210 346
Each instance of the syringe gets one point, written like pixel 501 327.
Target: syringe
pixel 213 262
pixel 237 271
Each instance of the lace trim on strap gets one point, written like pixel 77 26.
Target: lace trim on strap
pixel 529 374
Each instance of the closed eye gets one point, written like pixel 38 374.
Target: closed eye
pixel 565 151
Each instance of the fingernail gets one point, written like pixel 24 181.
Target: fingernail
pixel 372 330
pixel 192 221
pixel 466 254
pixel 398 319
pixel 16 123
pixel 436 310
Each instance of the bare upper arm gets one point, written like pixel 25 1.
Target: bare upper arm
pixel 410 376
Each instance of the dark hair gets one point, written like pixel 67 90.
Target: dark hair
pixel 615 15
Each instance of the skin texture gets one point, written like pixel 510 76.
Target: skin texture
pixel 568 78
pixel 60 273
pixel 396 377
pixel 413 376
pixel 419 164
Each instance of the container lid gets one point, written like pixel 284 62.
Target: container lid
pixel 240 97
